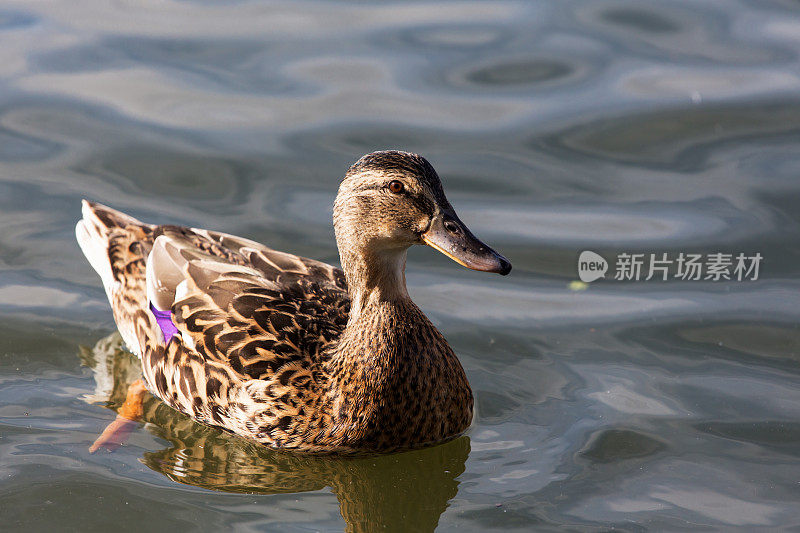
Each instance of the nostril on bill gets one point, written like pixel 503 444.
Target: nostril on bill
pixel 451 226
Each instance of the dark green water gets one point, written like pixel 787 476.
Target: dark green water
pixel 648 127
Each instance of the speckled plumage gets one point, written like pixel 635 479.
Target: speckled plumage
pixel 284 350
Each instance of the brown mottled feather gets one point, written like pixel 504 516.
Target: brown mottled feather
pixel 252 357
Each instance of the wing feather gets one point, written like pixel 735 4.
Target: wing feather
pixel 257 310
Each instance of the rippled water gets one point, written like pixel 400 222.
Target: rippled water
pixel 613 126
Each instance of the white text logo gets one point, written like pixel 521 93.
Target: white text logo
pixel 591 266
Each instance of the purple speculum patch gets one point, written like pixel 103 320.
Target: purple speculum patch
pixel 164 321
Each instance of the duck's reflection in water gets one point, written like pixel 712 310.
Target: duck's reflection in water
pixel 404 491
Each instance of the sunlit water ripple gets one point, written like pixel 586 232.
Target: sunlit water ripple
pixel 646 127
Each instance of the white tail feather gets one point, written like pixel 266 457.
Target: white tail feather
pixel 95 248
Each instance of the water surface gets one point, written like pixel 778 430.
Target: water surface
pixel 613 126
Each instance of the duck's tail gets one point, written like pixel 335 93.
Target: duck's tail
pixel 116 246
pixel 96 233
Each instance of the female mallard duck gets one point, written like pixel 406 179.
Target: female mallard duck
pixel 288 351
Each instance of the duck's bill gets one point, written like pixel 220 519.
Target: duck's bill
pixel 451 237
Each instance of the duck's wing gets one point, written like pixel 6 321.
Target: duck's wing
pixel 279 267
pixel 239 303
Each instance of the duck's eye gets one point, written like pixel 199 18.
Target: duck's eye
pixel 396 186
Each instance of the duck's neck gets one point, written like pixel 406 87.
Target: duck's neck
pixel 380 310
pixel 375 276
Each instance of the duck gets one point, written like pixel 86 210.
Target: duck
pixel 286 351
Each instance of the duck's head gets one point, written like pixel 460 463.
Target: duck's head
pixel 391 200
